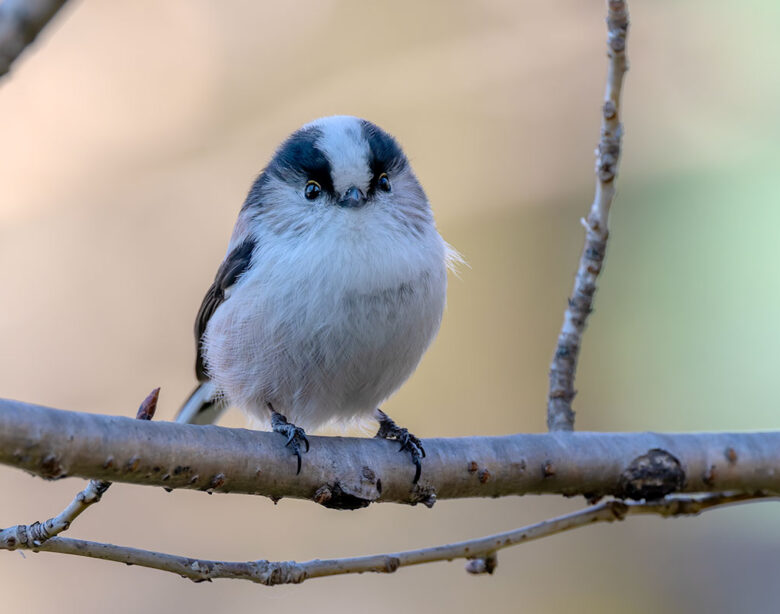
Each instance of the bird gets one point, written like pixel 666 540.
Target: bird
pixel 332 288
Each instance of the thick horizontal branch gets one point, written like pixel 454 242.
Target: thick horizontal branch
pixel 346 473
pixel 37 533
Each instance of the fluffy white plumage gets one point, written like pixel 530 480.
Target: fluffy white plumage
pixel 337 304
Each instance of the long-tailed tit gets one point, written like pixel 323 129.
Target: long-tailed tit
pixel 332 288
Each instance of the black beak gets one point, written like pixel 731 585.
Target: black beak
pixel 352 199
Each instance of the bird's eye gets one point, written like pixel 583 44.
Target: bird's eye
pixel 383 182
pixel 312 190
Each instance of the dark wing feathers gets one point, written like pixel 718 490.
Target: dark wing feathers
pixel 230 270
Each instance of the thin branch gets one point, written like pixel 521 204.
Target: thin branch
pixel 560 416
pixel 347 473
pixel 20 22
pixel 291 572
pixel 35 534
pixel 350 473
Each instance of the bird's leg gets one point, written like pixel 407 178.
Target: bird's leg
pixel 295 434
pixel 388 429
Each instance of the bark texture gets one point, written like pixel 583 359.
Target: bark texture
pixel 560 415
pixel 348 473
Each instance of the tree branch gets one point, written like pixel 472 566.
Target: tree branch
pixel 560 416
pixel 20 22
pixel 290 572
pixel 347 473
pixel 35 534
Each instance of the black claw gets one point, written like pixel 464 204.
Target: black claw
pixel 388 429
pixel 295 435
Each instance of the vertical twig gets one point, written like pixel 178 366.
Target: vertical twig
pixel 560 416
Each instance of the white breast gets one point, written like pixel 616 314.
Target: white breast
pixel 328 327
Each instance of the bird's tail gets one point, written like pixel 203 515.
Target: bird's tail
pixel 204 406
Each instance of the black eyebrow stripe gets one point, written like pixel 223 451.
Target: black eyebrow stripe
pixel 386 155
pixel 300 156
pixel 296 160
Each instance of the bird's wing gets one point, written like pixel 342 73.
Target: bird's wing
pixel 236 262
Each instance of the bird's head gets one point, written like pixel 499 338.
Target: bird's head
pixel 338 170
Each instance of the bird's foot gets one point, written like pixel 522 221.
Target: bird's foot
pixel 295 435
pixel 388 429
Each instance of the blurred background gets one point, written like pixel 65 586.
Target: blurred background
pixel 129 135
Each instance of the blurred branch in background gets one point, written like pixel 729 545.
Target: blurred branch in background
pixel 20 22
pixel 481 552
pixel 349 473
pixel 560 416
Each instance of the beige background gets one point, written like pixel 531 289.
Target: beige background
pixel 128 137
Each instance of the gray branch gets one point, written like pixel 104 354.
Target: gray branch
pixel 20 22
pixel 560 416
pixel 481 551
pixel 348 473
pixel 35 534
